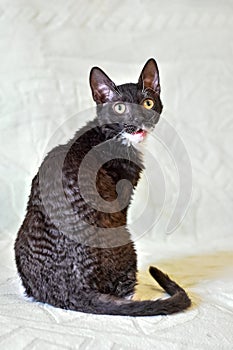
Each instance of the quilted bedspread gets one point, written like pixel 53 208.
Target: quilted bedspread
pixel 181 216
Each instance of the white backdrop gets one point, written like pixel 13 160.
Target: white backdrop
pixel 46 52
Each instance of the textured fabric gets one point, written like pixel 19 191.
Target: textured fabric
pixel 46 52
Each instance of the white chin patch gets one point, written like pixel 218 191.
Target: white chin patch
pixel 132 138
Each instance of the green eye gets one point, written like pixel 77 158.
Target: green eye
pixel 148 103
pixel 119 108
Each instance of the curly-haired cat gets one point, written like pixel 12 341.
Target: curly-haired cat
pixel 73 249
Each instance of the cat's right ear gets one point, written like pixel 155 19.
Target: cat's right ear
pixel 149 77
pixel 102 87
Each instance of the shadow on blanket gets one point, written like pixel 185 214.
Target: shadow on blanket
pixel 187 271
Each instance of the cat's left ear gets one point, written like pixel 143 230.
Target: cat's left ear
pixel 103 88
pixel 149 77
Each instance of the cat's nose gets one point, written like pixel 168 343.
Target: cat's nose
pixel 134 119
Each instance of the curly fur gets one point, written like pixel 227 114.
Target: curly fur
pixel 70 254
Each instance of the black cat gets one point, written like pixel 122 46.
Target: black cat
pixel 73 249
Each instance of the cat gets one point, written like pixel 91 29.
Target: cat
pixel 74 250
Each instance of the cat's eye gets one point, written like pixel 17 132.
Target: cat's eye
pixel 119 108
pixel 148 103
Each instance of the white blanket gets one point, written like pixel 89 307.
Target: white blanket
pixel 46 51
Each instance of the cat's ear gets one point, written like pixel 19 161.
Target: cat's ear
pixel 103 88
pixel 149 77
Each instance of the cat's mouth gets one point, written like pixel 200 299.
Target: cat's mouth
pixel 140 132
pixel 133 134
pixel 133 130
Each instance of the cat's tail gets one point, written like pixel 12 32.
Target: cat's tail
pixel 111 305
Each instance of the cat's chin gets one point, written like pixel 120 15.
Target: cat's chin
pixel 134 138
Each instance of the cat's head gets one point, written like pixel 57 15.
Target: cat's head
pixel 130 110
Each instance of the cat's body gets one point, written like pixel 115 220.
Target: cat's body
pixel 71 251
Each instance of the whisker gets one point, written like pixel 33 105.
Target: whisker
pixel 120 133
